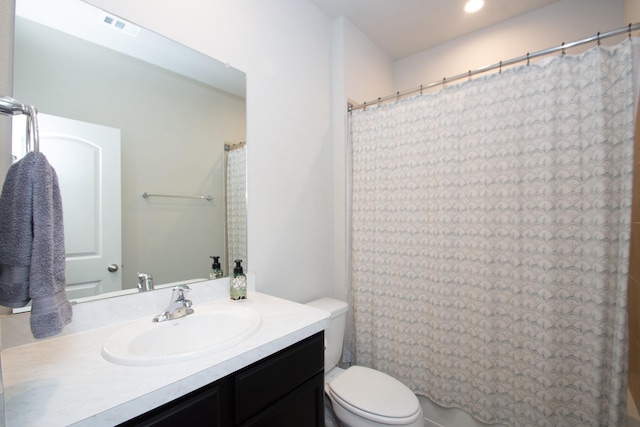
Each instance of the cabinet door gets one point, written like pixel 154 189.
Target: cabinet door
pixel 208 406
pixel 264 383
pixel 302 407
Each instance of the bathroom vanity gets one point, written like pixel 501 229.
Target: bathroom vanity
pixel 284 390
pixel 274 377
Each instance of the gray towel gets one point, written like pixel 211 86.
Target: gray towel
pixel 32 255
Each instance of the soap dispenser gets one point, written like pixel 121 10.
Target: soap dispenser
pixel 216 271
pixel 238 288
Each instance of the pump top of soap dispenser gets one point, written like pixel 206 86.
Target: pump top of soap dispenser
pixel 216 262
pixel 238 268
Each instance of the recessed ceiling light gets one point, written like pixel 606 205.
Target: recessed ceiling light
pixel 473 6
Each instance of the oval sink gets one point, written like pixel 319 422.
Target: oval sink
pixel 210 328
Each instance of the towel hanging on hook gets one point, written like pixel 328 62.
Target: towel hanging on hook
pixel 32 251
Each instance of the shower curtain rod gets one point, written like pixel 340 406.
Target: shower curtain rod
pixel 627 29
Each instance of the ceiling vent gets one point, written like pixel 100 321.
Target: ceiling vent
pixel 119 24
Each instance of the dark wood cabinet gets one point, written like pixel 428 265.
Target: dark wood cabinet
pixel 282 390
pixel 207 406
pixel 301 407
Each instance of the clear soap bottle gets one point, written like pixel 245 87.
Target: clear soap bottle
pixel 216 270
pixel 238 288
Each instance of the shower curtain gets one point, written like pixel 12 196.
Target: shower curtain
pixel 490 238
pixel 236 207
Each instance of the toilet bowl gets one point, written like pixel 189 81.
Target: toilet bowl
pixel 361 396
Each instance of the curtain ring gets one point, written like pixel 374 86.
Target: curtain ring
pixel 629 30
pixel 563 52
pixel 527 59
pixel 398 96
pixel 420 90
pixel 469 75
pixel 598 38
pixel 500 69
pixel 364 108
pixel 444 82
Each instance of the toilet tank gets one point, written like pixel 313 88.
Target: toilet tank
pixel 334 333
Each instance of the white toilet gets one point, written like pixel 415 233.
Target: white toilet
pixel 360 396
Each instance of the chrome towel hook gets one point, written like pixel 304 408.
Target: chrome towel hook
pixel 12 107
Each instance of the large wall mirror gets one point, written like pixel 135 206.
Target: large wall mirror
pixel 146 116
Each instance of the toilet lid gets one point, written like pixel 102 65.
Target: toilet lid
pixel 374 392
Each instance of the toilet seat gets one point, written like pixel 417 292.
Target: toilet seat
pixel 375 396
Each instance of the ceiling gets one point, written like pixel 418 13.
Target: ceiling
pixel 405 27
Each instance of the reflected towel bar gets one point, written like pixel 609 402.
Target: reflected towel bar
pixel 12 107
pixel 146 195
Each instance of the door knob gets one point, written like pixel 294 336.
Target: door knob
pixel 113 268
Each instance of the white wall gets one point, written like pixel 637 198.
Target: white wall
pixel 360 71
pixel 340 264
pixel 368 71
pixel 6 81
pixel 631 11
pixel 564 21
pixel 285 48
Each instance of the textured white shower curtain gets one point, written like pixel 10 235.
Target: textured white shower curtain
pixel 490 239
pixel 236 207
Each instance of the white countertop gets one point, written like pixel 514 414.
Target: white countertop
pixel 65 381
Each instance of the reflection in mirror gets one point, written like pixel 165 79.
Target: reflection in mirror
pixel 155 124
pixel 236 202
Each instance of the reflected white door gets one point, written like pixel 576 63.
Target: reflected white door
pixel 86 158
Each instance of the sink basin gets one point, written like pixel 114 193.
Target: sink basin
pixel 211 328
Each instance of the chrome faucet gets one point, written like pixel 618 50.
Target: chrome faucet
pixel 179 306
pixel 145 282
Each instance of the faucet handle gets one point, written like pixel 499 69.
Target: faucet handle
pixel 179 306
pixel 178 292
